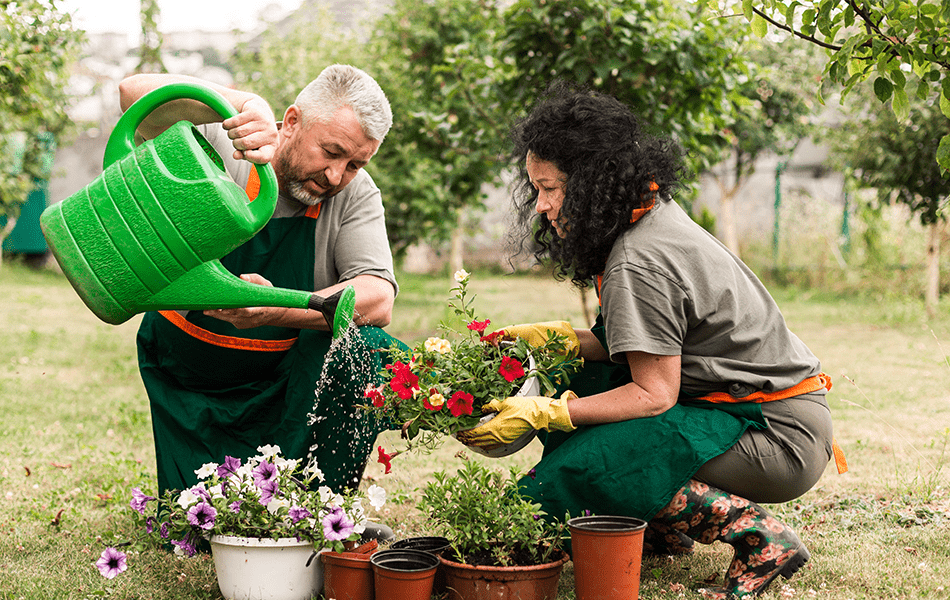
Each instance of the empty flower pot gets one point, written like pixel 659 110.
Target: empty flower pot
pixel 404 574
pixel 347 576
pixel 432 544
pixel 606 551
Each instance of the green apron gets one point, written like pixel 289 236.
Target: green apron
pixel 631 468
pixel 257 386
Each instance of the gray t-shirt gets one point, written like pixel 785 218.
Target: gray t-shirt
pixel 350 231
pixel 670 288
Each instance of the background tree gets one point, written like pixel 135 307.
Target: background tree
pixel 441 64
pixel 150 48
pixel 37 46
pixel 282 60
pixel 677 68
pixel 884 41
pixel 898 159
pixel 774 112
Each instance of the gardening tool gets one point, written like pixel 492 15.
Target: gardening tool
pixel 148 233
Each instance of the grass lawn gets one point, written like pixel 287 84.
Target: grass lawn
pixel 75 438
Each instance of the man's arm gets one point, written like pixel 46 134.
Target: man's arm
pixel 374 306
pixel 253 131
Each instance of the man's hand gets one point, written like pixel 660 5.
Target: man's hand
pixel 253 131
pixel 246 318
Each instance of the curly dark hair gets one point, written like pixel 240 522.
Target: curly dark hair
pixel 610 162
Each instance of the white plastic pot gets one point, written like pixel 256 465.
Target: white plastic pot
pixel 266 569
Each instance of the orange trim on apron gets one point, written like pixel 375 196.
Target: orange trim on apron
pixel 226 341
pixel 812 384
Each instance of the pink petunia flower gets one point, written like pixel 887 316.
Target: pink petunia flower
pixel 111 562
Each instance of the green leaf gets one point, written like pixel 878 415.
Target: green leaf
pixel 759 26
pixel 747 10
pixel 945 104
pixel 900 105
pixel 943 152
pixel 883 89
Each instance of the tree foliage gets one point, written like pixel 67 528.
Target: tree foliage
pixel 888 42
pixel 677 68
pixel 37 46
pixel 441 65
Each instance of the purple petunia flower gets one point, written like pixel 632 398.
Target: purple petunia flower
pixel 150 524
pixel 235 506
pixel 163 530
pixel 230 467
pixel 139 501
pixel 336 526
pixel 111 562
pixel 298 513
pixel 186 546
pixel 202 515
pixel 268 489
pixel 265 471
pixel 201 493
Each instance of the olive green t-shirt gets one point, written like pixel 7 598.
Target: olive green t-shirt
pixel 670 288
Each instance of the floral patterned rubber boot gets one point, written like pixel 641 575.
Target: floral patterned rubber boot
pixel 764 546
pixel 659 539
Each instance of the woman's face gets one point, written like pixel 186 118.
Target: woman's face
pixel 550 182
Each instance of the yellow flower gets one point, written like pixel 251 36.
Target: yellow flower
pixel 437 400
pixel 434 344
pixel 461 276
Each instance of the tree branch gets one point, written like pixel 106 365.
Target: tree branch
pixel 797 34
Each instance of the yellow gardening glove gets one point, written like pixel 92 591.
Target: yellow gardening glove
pixel 536 334
pixel 516 415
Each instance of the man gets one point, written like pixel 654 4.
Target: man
pixel 224 382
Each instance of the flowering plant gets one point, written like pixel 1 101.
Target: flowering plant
pixel 267 497
pixel 439 386
pixel 488 521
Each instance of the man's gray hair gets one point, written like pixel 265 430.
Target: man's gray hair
pixel 344 85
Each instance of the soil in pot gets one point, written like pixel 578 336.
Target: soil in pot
pixel 479 582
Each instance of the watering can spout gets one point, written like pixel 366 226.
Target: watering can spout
pixel 337 309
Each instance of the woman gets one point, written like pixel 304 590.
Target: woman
pixel 696 401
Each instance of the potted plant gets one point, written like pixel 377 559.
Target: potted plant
pixel 265 520
pixel 439 386
pixel 503 546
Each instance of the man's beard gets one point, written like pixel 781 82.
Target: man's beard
pixel 294 181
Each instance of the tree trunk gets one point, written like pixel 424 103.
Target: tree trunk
pixel 456 251
pixel 728 221
pixel 932 284
pixel 4 232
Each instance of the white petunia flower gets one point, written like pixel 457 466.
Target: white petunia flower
pixel 376 496
pixel 461 275
pixel 207 470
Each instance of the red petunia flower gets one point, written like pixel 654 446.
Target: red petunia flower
pixel 479 326
pixel 404 381
pixel 375 395
pixel 511 368
pixel 492 338
pixel 386 459
pixel 461 403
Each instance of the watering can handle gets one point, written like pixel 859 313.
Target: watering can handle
pixel 122 140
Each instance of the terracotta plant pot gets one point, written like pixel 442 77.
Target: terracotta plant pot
pixel 434 545
pixel 471 582
pixel 404 574
pixel 606 551
pixel 347 576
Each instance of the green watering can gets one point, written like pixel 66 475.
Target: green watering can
pixel 147 233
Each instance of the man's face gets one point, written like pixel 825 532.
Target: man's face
pixel 318 160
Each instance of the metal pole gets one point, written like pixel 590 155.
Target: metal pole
pixel 779 168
